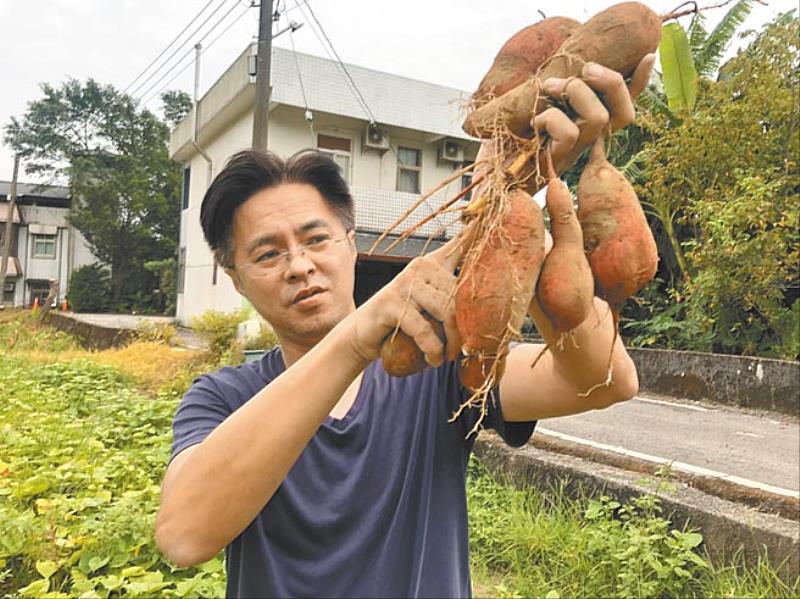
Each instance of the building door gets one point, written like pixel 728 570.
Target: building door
pixel 38 288
pixel 372 275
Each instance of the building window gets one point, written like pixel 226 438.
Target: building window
pixel 181 269
pixel 187 175
pixel 8 292
pixel 44 246
pixel 409 166
pixel 338 150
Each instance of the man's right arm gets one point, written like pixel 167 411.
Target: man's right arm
pixel 214 489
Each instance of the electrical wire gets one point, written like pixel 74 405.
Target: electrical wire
pixel 134 92
pixel 348 81
pixel 344 68
pixel 203 51
pixel 189 51
pixel 175 39
pixel 307 114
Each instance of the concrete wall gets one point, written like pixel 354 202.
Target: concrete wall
pixel 761 383
pixel 90 335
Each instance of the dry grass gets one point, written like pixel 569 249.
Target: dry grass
pixel 152 365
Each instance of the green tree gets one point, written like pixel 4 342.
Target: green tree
pixel 176 105
pixel 125 189
pixel 731 173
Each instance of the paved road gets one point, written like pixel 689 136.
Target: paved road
pixel 758 446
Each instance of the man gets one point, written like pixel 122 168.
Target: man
pixel 320 473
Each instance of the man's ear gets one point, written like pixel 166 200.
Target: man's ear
pixel 236 279
pixel 351 235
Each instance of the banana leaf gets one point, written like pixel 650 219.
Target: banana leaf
pixel 678 70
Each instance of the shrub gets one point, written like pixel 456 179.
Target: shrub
pixel 156 333
pixel 89 289
pixel 218 328
pixel 265 339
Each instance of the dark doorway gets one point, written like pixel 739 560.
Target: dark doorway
pixel 373 274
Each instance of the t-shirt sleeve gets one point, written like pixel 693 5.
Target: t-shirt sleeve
pixel 202 409
pixel 515 434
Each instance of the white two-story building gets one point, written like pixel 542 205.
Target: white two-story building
pixel 392 136
pixel 44 245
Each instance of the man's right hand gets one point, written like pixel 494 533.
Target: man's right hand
pixel 427 284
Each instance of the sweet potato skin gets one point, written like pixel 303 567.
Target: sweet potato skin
pixel 565 289
pixel 401 356
pixel 617 38
pixel 618 242
pixel 497 281
pixel 522 55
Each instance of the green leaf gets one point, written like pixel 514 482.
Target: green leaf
pixel 133 572
pixel 46 569
pixel 678 71
pixel 33 486
pixel 36 589
pixel 96 562
pixel 691 540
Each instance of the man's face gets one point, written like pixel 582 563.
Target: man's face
pixel 305 293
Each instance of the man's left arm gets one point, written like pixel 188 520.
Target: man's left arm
pixel 554 387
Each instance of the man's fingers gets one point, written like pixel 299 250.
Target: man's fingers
pixel 425 336
pixel 563 134
pixel 611 84
pixel 449 255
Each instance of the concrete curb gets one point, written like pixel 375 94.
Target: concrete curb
pixel 761 383
pixel 727 527
pixel 92 336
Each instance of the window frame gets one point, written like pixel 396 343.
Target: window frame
pixel 37 238
pixel 333 152
pixel 401 166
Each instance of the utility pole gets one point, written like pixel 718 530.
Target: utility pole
pixel 263 88
pixel 12 203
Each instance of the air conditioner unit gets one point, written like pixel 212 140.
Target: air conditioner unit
pixel 375 139
pixel 451 151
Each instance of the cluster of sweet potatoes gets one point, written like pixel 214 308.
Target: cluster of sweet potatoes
pixel 605 249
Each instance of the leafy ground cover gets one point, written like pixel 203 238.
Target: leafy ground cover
pixel 84 438
pixel 525 543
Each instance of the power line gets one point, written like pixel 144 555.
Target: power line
pixel 348 83
pixel 308 115
pixel 189 51
pixel 344 68
pixel 188 64
pixel 175 39
pixel 178 49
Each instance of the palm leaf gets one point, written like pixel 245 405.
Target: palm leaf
pixel 708 56
pixel 697 34
pixel 678 71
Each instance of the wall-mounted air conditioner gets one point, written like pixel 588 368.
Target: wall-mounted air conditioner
pixel 451 151
pixel 375 139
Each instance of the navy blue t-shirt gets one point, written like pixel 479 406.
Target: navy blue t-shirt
pixel 375 506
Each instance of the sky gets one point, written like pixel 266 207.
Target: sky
pixel 448 42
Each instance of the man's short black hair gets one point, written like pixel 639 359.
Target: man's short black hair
pixel 249 172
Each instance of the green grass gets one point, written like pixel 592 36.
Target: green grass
pixel 83 447
pixel 526 543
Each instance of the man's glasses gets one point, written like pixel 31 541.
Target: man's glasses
pixel 277 261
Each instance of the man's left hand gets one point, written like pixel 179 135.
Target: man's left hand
pixel 595 116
